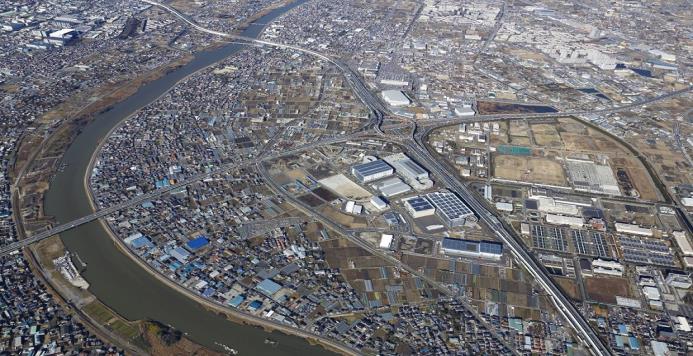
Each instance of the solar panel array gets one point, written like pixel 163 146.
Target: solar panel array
pixel 591 243
pixel 419 204
pixel 366 171
pixel 646 251
pixel 548 237
pixel 450 204
pixel 583 242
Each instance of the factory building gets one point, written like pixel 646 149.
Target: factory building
pixel 632 229
pixel 565 220
pixel 370 171
pixel 611 268
pixel 450 208
pixel 550 205
pixel 683 242
pixel 378 203
pixel 395 98
pixel 419 207
pixel 469 248
pixel 391 187
pixel 590 177
pixel 410 171
pixel 385 241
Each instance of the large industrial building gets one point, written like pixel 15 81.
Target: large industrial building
pixel 391 186
pixel 450 208
pixel 410 171
pixel 395 98
pixel 633 229
pixel 370 171
pixel 419 207
pixel 481 249
pixel 591 177
pixel 573 221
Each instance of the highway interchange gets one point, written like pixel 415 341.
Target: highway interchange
pixel 410 135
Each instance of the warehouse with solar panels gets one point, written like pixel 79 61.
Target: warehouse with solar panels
pixel 419 207
pixel 450 208
pixel 469 248
pixel 370 171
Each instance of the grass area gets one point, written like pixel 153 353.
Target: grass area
pixel 104 316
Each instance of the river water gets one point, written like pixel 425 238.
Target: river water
pixel 115 279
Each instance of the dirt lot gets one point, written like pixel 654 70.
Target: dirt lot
pixel 639 177
pixel 547 136
pixel 569 286
pixel 529 169
pixel 605 289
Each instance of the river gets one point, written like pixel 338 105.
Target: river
pixel 114 278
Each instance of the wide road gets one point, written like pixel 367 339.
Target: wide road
pixel 417 150
pixel 567 310
pixel 153 194
pixel 354 238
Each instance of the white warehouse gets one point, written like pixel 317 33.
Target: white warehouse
pixel 370 171
pixel 395 98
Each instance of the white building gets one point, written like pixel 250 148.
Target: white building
pixel 633 229
pixel 395 98
pixel 612 268
pixel 391 187
pixel 378 203
pixel 678 280
pixel 550 205
pixel 504 206
pixel 683 242
pixel 419 207
pixel 410 171
pixel 385 241
pixel 564 220
pixel 589 176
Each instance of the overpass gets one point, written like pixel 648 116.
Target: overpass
pixel 153 194
pixel 416 148
pixel 583 330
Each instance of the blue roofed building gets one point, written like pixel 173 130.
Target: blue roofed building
pixel 255 305
pixel 180 254
pixel 370 171
pixel 197 243
pixel 634 343
pixel 268 287
pixel 470 248
pixel 236 301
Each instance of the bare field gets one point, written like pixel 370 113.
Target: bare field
pixel 569 286
pixel 345 187
pixel 605 289
pixel 576 142
pixel 639 177
pixel 519 140
pixel 529 169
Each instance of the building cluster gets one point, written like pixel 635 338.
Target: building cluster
pixel 578 200
pixel 32 323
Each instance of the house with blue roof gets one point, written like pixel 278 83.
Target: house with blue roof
pixel 236 301
pixel 268 287
pixel 197 243
pixel 180 254
pixel 255 305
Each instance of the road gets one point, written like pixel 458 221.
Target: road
pixel 417 149
pixel 354 238
pixel 563 305
pixel 153 194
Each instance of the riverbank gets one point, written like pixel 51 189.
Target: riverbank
pixel 119 283
pixel 233 315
